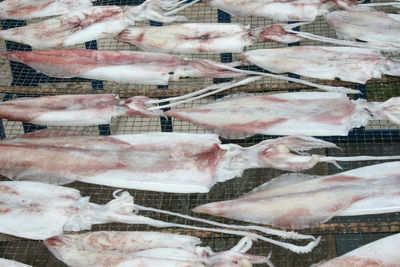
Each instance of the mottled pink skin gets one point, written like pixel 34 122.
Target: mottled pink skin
pixel 382 252
pixel 55 32
pixel 139 106
pixel 20 9
pixel 327 112
pixel 68 63
pixel 284 153
pixel 303 203
pixel 187 38
pixel 321 62
pixel 69 156
pixel 28 109
pixel 111 248
pixel 355 261
pixel 29 202
pixel 276 33
pixel 371 26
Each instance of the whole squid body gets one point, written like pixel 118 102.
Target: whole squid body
pixel 205 37
pixel 299 200
pixel 325 114
pixel 286 10
pixel 52 209
pixel 29 9
pixel 167 162
pixel 382 252
pixel 95 109
pixel 118 66
pixel 90 23
pixel 373 27
pixel 232 117
pixel 74 110
pixel 347 63
pixel 146 249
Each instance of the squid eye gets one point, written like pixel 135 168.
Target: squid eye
pixel 171 73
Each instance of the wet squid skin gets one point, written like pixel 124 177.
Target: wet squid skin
pixel 145 248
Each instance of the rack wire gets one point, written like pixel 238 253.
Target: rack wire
pixel 339 235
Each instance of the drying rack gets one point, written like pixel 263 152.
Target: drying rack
pixel 339 235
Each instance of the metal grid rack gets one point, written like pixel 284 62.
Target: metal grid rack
pixel 339 235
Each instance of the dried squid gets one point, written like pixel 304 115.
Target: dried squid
pixel 29 9
pixel 300 200
pixel 118 66
pixel 373 27
pixel 287 10
pixel 382 252
pixel 90 23
pixel 52 209
pixel 285 114
pixel 146 249
pixel 167 162
pixel 205 37
pixel 347 63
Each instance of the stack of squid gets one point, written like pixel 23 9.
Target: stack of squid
pixel 35 205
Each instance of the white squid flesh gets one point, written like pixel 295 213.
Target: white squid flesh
pixel 347 63
pixel 204 37
pixel 382 252
pixel 300 200
pixel 284 114
pixel 30 9
pixel 11 263
pixel 52 209
pixel 374 27
pixel 145 249
pixel 117 66
pixel 87 24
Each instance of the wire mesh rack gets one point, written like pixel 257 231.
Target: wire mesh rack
pixel 339 235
